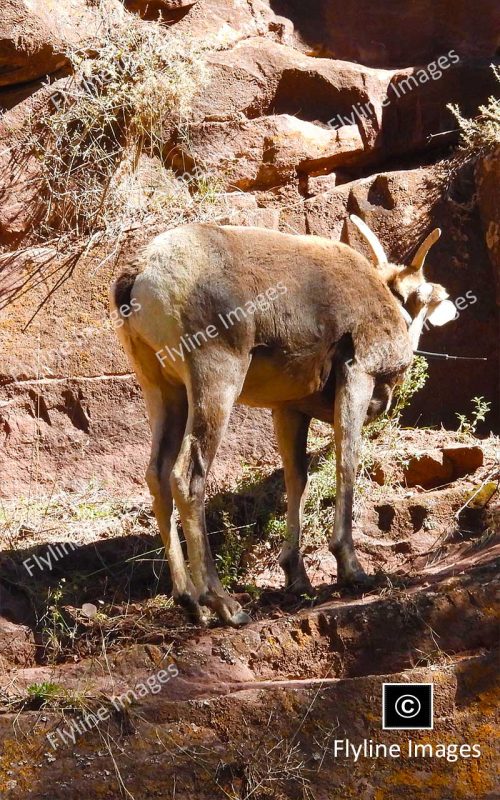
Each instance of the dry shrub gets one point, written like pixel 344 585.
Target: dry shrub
pixel 123 102
pixel 481 134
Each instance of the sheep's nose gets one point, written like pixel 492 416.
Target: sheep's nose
pixel 424 292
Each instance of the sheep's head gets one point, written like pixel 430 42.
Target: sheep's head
pixel 418 297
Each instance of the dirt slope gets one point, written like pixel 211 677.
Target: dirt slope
pixel 254 712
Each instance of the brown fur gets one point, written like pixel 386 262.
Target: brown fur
pixel 332 346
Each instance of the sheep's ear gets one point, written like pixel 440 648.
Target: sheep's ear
pixel 379 257
pixel 443 313
pixel 420 256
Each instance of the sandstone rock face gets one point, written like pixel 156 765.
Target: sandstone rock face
pixel 17 646
pixel 231 21
pixel 269 151
pixel 34 35
pixel 22 183
pixel 17 642
pixel 311 111
pixel 245 211
pixel 379 34
pixel 296 135
pixel 261 76
pixel 396 111
pixel 464 459
pixel 488 181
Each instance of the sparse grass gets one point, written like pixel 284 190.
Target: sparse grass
pixel 58 632
pixel 47 696
pixel 252 518
pixel 110 575
pixel 320 503
pixel 244 516
pixel 387 428
pixel 229 557
pixel 67 632
pixel 26 521
pixel 414 380
pixel 271 768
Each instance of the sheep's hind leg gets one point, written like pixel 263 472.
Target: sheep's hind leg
pixel 291 429
pixel 167 408
pixel 171 424
pixel 215 385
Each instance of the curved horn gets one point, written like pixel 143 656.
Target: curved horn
pixel 375 246
pixel 419 257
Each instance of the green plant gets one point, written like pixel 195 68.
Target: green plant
pixel 228 558
pixel 321 494
pixel 468 425
pixel 275 528
pixel 43 691
pixel 414 380
pixel 483 132
pixel 56 632
pixel 43 694
pixel 247 515
pixel 388 425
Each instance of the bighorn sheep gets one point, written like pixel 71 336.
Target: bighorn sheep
pixel 214 315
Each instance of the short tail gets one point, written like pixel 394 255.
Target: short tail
pixel 121 289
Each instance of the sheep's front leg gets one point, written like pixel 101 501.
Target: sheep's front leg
pixel 354 389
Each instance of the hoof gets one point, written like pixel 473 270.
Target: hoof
pixel 300 587
pixel 191 608
pixel 350 573
pixel 226 607
pixel 358 580
pixel 296 579
pixel 239 619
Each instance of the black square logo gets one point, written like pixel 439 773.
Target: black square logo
pixel 407 706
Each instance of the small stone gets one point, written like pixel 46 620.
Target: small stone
pixel 480 496
pixel 89 610
pixel 321 183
